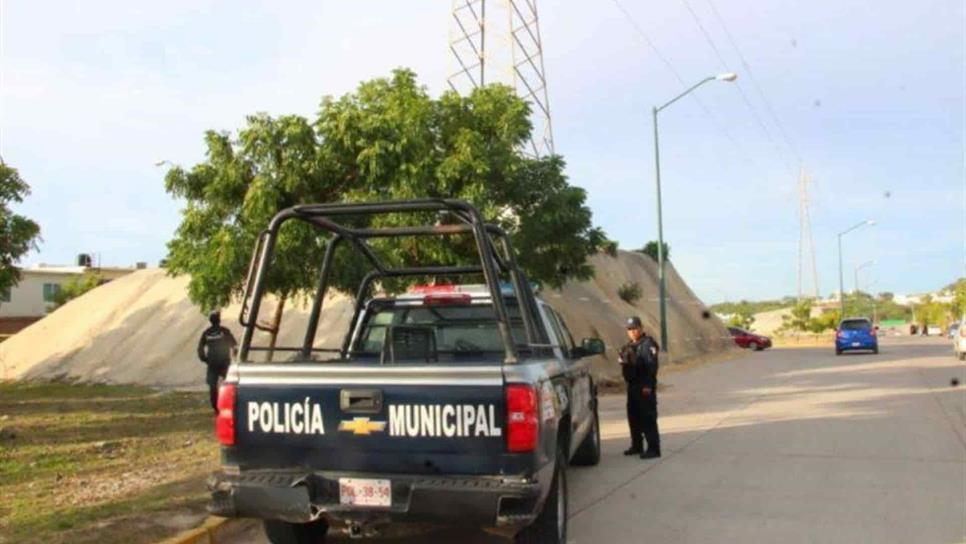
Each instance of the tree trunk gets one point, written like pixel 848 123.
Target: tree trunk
pixel 276 322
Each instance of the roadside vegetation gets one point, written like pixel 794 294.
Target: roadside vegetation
pixel 95 463
pixel 18 234
pixel 76 287
pixel 630 292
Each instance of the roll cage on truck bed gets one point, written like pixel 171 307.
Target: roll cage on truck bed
pixel 484 442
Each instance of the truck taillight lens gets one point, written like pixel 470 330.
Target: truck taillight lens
pixel 225 420
pixel 522 423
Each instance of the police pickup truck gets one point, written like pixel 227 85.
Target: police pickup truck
pixel 450 404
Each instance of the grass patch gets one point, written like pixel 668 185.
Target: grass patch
pixel 100 463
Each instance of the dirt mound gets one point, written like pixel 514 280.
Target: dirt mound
pixel 143 329
pixel 768 322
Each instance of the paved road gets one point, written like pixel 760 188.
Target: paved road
pixel 787 445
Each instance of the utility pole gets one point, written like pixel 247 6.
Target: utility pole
pixel 805 240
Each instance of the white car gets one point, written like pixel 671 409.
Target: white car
pixel 959 340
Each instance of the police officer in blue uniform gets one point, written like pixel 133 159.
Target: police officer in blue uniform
pixel 215 349
pixel 639 365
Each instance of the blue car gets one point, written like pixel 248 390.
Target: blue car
pixel 856 334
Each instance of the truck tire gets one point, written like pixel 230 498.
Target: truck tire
pixel 283 532
pixel 588 453
pixel 550 527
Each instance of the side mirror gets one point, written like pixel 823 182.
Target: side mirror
pixel 592 346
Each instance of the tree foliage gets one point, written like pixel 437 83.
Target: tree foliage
pixel 650 249
pixel 798 319
pixel 630 292
pixel 958 290
pixel 387 140
pixel 743 318
pixel 18 234
pixel 76 287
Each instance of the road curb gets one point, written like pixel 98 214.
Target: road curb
pixel 207 533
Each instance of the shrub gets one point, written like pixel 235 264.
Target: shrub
pixel 630 292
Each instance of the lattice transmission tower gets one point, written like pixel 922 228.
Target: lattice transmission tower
pixel 806 244
pixel 495 41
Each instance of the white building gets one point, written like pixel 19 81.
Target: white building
pixel 33 297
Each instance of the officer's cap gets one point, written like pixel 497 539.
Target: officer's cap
pixel 634 322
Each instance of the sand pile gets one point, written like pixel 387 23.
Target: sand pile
pixel 768 322
pixel 143 329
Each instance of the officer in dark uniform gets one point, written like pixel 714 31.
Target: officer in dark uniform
pixel 639 366
pixel 215 349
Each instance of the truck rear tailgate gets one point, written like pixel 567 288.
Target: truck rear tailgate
pixel 370 419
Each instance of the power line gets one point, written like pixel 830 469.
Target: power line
pixel 741 91
pixel 751 75
pixel 657 52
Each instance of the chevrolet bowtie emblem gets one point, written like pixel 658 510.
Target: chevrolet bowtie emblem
pixel 362 425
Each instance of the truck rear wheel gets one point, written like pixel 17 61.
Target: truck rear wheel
pixel 588 453
pixel 550 527
pixel 283 532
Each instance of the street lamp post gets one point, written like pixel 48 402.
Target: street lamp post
pixel 662 287
pixel 869 222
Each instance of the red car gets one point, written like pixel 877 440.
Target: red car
pixel 749 340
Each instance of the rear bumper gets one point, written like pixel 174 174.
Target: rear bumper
pixel 851 345
pixel 299 496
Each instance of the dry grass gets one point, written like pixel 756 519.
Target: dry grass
pixel 95 463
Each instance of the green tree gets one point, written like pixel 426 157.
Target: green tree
pixel 958 291
pixel 930 312
pixel 799 318
pixel 824 321
pixel 610 247
pixel 650 249
pixel 743 318
pixel 387 140
pixel 18 234
pixel 76 287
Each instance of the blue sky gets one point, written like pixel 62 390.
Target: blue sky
pixel 870 94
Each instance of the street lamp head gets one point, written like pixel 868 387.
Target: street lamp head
pixel 728 76
pixel 870 222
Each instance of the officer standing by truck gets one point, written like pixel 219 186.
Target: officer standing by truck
pixel 639 365
pixel 215 349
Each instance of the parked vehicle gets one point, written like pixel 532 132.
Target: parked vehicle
pixel 856 333
pixel 952 331
pixel 449 404
pixel 959 339
pixel 749 340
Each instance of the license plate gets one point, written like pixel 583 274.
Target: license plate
pixel 856 344
pixel 364 492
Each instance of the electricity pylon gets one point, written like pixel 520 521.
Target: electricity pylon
pixel 805 240
pixel 498 41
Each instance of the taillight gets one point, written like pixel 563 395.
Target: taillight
pixel 225 420
pixel 522 422
pixel 839 334
pixel 447 299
